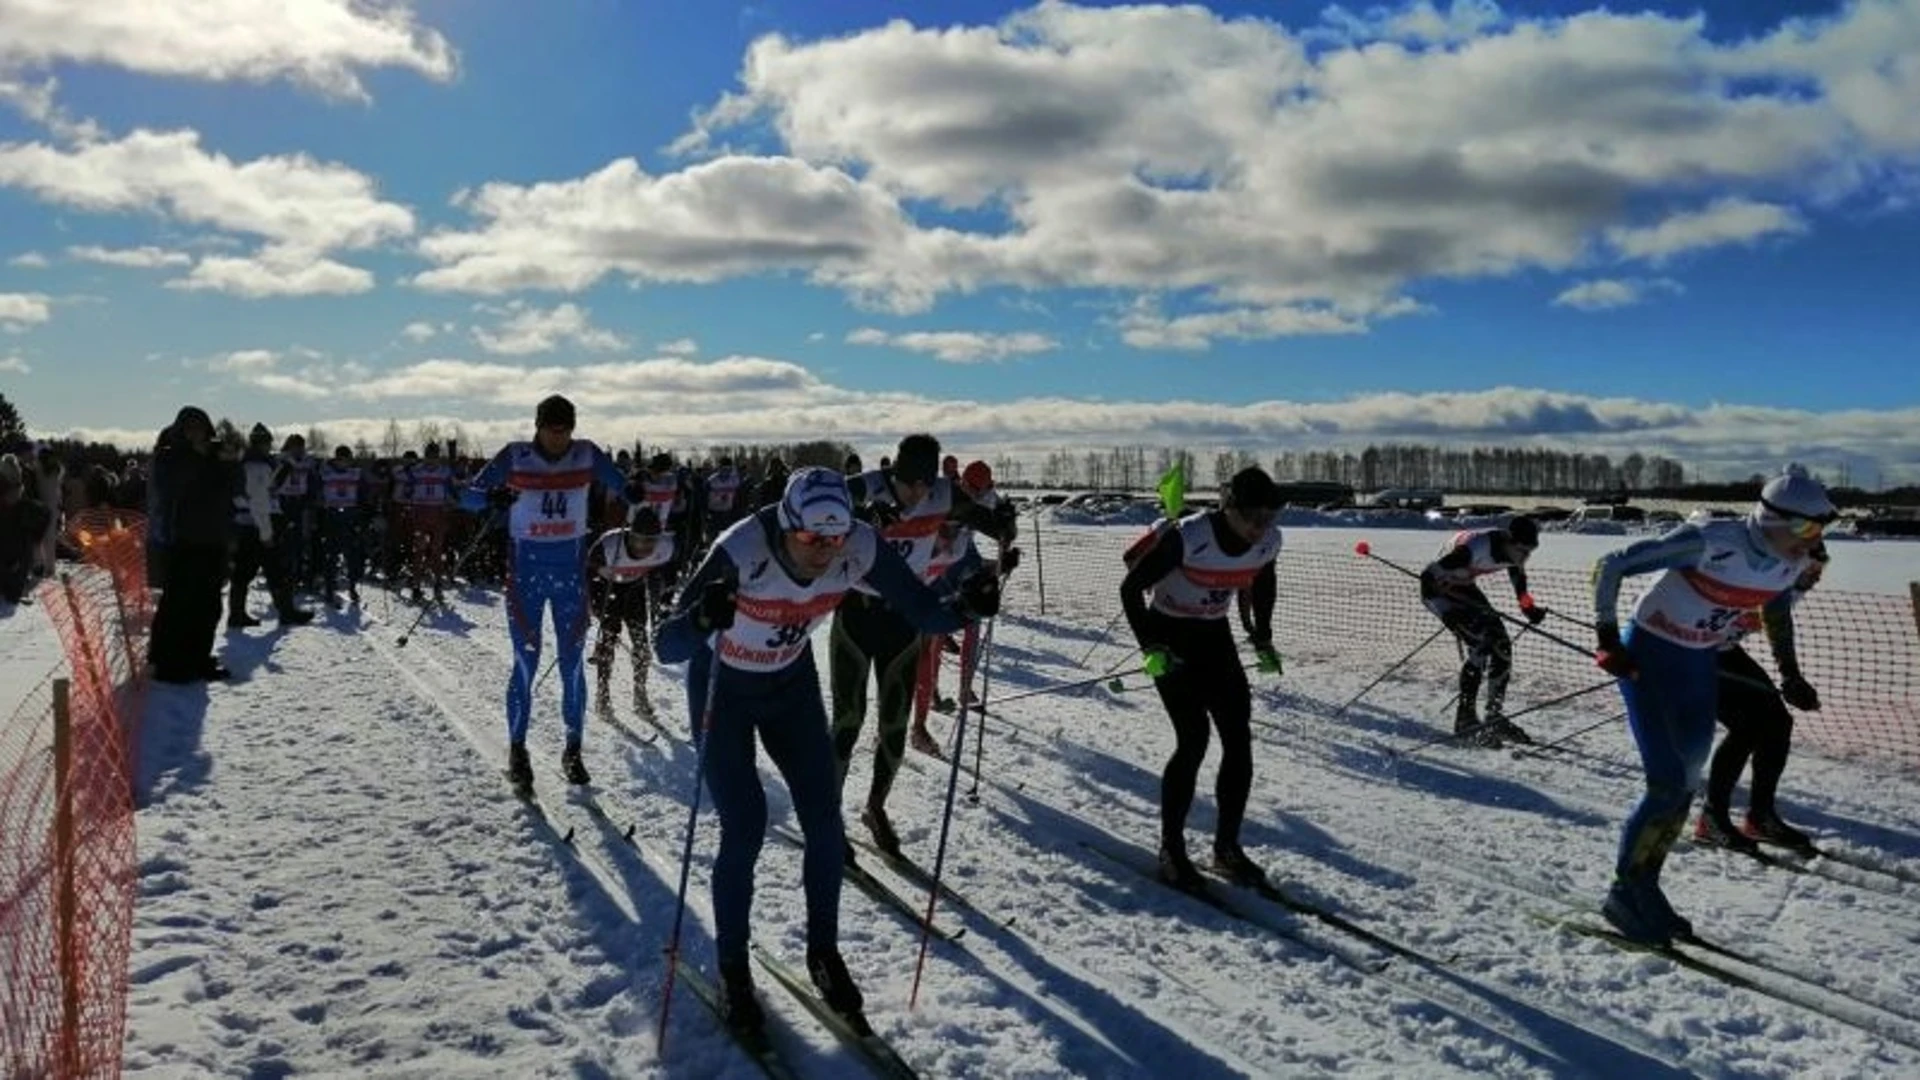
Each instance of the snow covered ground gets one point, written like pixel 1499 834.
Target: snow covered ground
pixel 334 881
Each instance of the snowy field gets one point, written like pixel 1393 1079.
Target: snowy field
pixel 334 881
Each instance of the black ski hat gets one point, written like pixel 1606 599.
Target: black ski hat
pixel 260 435
pixel 554 411
pixel 917 460
pixel 1524 530
pixel 1252 489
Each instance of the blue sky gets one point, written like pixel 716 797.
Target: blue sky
pixel 1684 229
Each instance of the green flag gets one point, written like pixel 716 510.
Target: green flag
pixel 1173 491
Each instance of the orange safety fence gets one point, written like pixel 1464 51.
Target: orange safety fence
pixel 1860 650
pixel 67 857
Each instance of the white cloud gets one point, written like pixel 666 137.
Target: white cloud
pixel 145 257
pixel 300 208
pixel 678 347
pixel 316 43
pixel 418 331
pixel 13 365
pixel 1160 149
pixel 29 260
pixel 1605 294
pixel 525 330
pixel 1728 221
pixel 1144 327
pixel 276 271
pixel 753 399
pixel 21 310
pixel 36 102
pixel 243 362
pixel 958 346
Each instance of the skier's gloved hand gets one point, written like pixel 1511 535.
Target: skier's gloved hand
pixel 1612 656
pixel 1157 661
pixel 979 597
pixel 502 498
pixel 1534 612
pixel 1799 693
pixel 1268 660
pixel 714 610
pixel 882 514
pixel 1009 558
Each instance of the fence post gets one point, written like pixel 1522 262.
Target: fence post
pixel 1913 590
pixel 66 904
pixel 1040 562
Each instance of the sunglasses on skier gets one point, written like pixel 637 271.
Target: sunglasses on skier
pixel 1804 526
pixel 809 538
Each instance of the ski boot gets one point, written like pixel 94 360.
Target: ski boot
pixel 294 616
pixel 1232 863
pixel 1468 730
pixel 239 620
pixel 835 983
pixel 1506 731
pixel 520 769
pixel 333 600
pixel 1641 913
pixel 1715 829
pixel 353 595
pixel 739 1006
pixel 1178 871
pixel 876 820
pixel 572 766
pixel 1767 828
pixel 642 704
pixel 924 742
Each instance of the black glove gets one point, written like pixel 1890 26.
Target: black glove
pixel 882 514
pixel 1612 656
pixel 714 610
pixel 1009 558
pixel 1535 614
pixel 980 595
pixel 1007 520
pixel 502 498
pixel 1799 693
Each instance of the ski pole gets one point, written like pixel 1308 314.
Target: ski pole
pixel 693 819
pixel 485 527
pixel 1104 634
pixel 1397 665
pixel 983 665
pixel 1536 707
pixel 1365 550
pixel 1543 748
pixel 946 821
pixel 1076 684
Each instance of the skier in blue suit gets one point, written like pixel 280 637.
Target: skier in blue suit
pixel 766 583
pixel 542 485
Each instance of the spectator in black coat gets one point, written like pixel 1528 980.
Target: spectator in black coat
pixel 23 521
pixel 192 505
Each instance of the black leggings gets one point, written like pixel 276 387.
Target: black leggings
pixel 1207 690
pixel 1489 651
pixel 1758 727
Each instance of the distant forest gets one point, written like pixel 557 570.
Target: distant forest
pixel 1490 470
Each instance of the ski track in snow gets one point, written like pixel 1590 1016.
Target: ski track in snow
pixel 335 880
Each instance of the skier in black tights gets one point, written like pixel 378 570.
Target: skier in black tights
pixel 1181 581
pixel 1760 729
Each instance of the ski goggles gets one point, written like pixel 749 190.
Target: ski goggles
pixel 1804 526
pixel 809 538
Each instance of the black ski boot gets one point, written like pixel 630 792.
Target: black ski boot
pixel 1178 871
pixel 877 823
pixel 520 769
pixel 1715 829
pixel 1767 828
pixel 240 620
pixel 1470 731
pixel 835 983
pixel 739 1006
pixel 1232 863
pixel 572 766
pixel 1507 731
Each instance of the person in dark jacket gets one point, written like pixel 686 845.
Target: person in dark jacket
pixel 23 520
pixel 191 501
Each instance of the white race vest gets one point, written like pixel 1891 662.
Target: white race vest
pixel 1204 585
pixel 723 490
pixel 552 495
pixel 296 478
pixel 429 484
pixel 621 567
pixel 916 535
pixel 1480 562
pixel 774 614
pixel 339 488
pixel 1718 599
